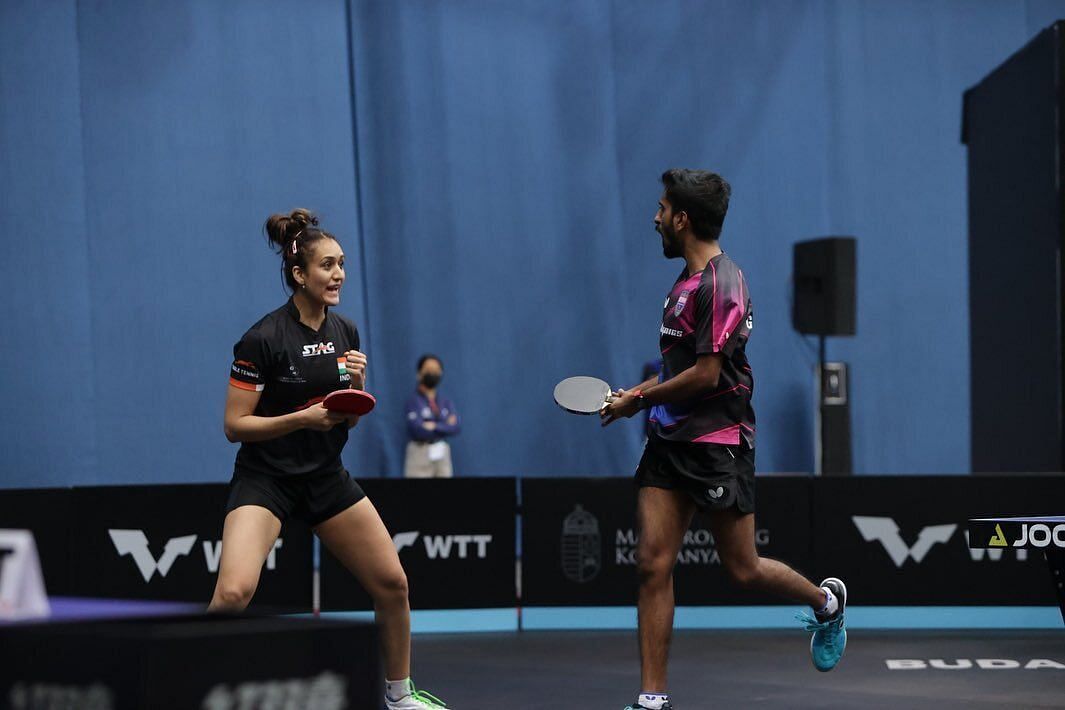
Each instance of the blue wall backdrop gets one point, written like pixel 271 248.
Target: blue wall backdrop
pixel 492 171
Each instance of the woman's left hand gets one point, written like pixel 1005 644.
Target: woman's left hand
pixel 356 367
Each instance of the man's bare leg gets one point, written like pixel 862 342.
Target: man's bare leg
pixel 663 516
pixel 734 539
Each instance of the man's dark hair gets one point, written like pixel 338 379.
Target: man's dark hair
pixel 700 194
pixel 428 356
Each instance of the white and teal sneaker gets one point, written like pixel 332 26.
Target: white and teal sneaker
pixel 830 638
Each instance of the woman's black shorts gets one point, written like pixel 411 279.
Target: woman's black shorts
pixel 312 498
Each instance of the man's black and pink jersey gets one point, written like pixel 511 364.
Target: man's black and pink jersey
pixel 708 312
pixel 293 366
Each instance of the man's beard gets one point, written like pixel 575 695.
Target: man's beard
pixel 670 248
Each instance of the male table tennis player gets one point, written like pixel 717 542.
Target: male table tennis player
pixel 700 450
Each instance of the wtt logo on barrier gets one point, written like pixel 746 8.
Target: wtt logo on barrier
pixel 135 544
pixel 440 547
pixel 886 532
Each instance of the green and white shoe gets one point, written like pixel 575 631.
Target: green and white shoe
pixel 416 700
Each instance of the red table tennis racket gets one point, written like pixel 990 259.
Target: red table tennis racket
pixel 354 402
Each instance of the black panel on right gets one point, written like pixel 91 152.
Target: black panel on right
pixel 1013 134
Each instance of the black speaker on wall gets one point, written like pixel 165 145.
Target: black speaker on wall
pixel 1013 129
pixel 824 283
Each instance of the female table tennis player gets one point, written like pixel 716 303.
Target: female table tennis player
pixel 289 459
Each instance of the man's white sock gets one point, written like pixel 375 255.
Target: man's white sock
pixel 831 604
pixel 653 701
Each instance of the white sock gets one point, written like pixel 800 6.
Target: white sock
pixel 831 604
pixel 397 689
pixel 653 701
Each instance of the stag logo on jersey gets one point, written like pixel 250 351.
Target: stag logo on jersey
pixel 318 349
pixel 681 303
pixel 886 532
pixel 582 550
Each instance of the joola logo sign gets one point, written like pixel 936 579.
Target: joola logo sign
pixel 318 349
pixel 1034 535
pixel 135 544
pixel 442 547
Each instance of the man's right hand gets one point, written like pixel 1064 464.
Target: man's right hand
pixel 623 404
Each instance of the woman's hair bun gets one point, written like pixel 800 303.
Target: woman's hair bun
pixel 303 217
pixel 281 229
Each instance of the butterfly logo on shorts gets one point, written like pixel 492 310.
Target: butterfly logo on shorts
pixel 715 493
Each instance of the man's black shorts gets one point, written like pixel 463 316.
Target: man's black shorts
pixel 312 498
pixel 717 477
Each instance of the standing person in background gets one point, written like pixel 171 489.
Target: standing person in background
pixel 431 419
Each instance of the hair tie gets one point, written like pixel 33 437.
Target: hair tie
pixel 295 239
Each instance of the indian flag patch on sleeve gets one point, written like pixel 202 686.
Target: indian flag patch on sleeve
pixel 342 365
